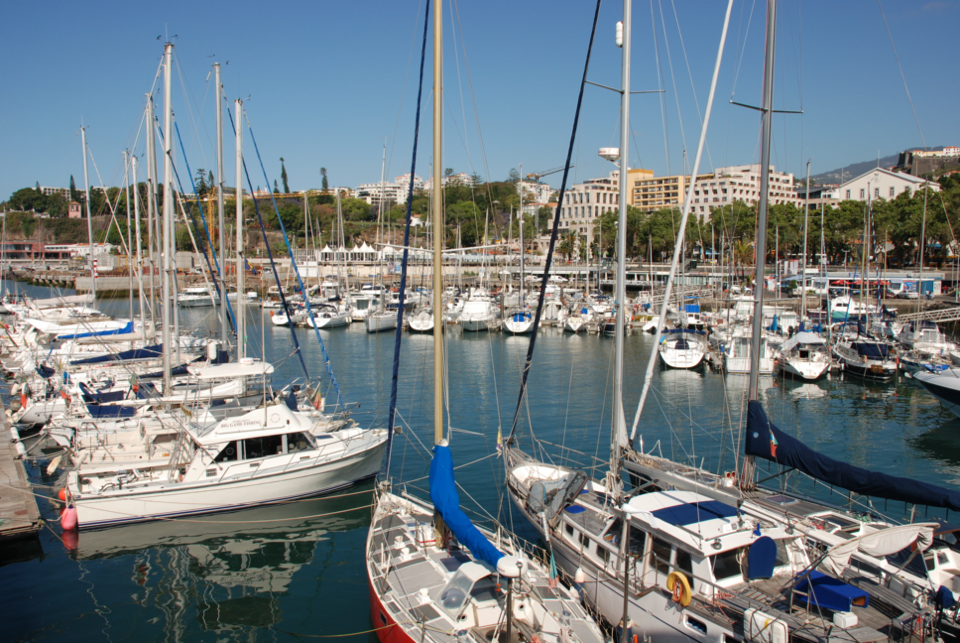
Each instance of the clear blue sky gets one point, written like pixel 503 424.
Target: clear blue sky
pixel 329 82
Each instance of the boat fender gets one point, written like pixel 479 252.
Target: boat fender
pixel 54 465
pixel 68 519
pixel 679 588
pixel 15 388
pixel 579 577
pixel 62 494
pixel 21 450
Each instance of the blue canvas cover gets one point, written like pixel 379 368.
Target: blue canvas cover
pixel 443 493
pixel 128 328
pixel 765 440
pixel 761 558
pixel 147 352
pixel 110 412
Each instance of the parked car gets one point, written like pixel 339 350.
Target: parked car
pixel 908 294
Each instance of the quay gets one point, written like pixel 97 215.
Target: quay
pixel 19 515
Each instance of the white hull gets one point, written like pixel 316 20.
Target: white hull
pixel 681 358
pixel 198 302
pixel 522 327
pixel 334 321
pixel 378 322
pixel 741 365
pixel 574 324
pixel 804 369
pixel 296 479
pixel 41 412
pixel 477 324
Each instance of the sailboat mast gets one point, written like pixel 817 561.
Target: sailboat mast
pixel 168 302
pixel 136 221
pixel 438 224
pixel 761 240
pixel 241 316
pixel 86 190
pixel 619 434
pixel 220 210
pixel 803 265
pixel 126 178
pixel 151 141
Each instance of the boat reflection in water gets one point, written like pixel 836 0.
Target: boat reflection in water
pixel 227 570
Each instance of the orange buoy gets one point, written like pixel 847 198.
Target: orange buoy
pixel 63 494
pixel 68 519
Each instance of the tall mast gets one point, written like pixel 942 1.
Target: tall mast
pixel 220 265
pixel 152 203
pixel 803 265
pixel 168 197
pixel 86 190
pixel 618 440
pixel 522 283
pixel 126 174
pixel 438 226
pixel 241 316
pixel 136 220
pixel 761 240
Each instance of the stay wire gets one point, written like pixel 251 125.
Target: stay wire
pixel 394 382
pixel 556 228
pixel 296 271
pixel 273 266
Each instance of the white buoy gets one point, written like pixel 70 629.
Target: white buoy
pixel 579 576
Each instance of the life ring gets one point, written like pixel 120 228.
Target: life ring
pixel 679 588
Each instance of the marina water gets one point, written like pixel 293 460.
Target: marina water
pixel 295 571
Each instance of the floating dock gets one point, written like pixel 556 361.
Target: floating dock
pixel 19 515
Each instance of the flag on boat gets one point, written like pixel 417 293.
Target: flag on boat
pixel 499 441
pixel 317 399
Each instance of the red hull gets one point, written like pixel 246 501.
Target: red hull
pixel 388 631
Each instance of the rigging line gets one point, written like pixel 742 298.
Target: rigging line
pixel 187 92
pixel 688 204
pixel 394 382
pixel 686 60
pixel 663 107
pixel 743 50
pixel 273 266
pixel 463 109
pixel 296 270
pixel 902 76
pixel 403 92
pixel 228 311
pixel 673 80
pixel 473 97
pixel 556 228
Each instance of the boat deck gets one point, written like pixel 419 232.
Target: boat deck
pixel 19 515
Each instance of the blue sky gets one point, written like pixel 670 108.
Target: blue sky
pixel 330 82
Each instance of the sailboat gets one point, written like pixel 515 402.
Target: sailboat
pixel 519 321
pixel 433 575
pixel 268 454
pixel 705 568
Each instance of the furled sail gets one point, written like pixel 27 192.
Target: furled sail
pixel 765 440
pixel 443 493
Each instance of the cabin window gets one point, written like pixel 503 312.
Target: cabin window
pixel 685 565
pixel 569 529
pixel 696 625
pixel 931 563
pixel 727 564
pixel 604 554
pixel 585 541
pixel 262 447
pixel 228 453
pixel 638 541
pixel 614 533
pixel 661 553
pixel 298 442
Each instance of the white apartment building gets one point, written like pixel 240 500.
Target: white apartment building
pixel 741 183
pixel 880 184
pixel 48 191
pixel 461 178
pixel 394 192
pixel 586 201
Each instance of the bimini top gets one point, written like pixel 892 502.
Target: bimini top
pixel 688 510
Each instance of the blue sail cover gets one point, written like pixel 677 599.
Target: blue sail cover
pixel 766 441
pixel 147 352
pixel 124 330
pixel 443 493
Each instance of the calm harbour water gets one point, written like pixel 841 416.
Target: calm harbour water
pixel 296 571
